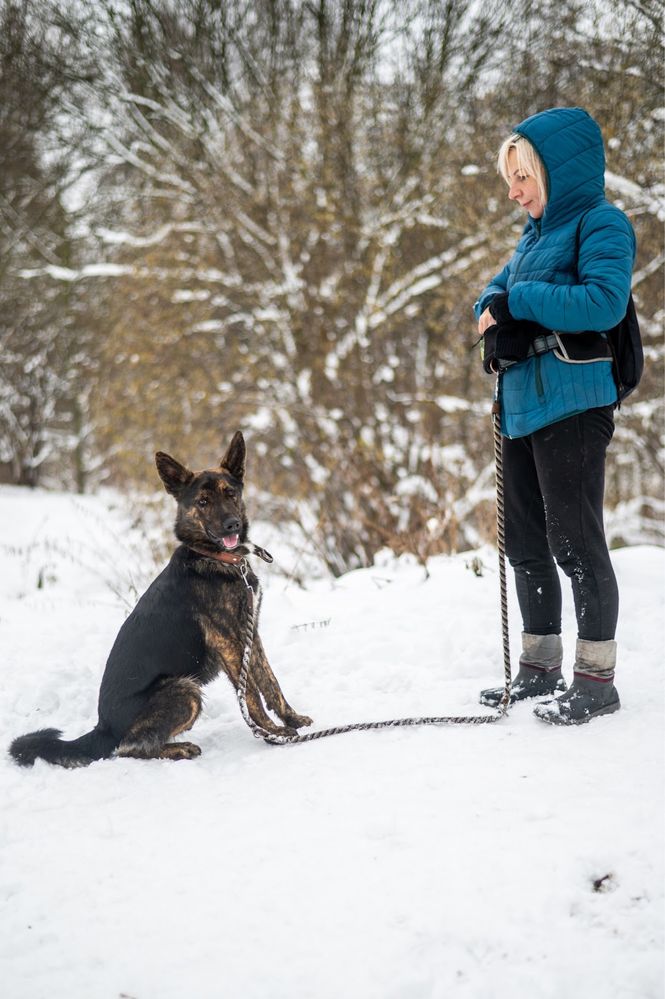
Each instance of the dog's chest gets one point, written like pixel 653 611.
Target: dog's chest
pixel 222 615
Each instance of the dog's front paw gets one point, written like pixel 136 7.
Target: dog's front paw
pixel 297 721
pixel 284 730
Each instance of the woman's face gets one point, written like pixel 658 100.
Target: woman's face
pixel 523 189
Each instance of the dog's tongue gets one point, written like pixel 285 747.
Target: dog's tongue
pixel 230 541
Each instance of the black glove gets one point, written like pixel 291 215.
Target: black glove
pixel 500 310
pixel 509 339
pixel 488 350
pixel 507 342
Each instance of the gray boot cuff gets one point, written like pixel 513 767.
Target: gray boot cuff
pixel 596 658
pixel 542 651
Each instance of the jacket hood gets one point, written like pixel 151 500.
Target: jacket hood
pixel 570 144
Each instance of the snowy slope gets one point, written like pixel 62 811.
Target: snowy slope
pixel 401 864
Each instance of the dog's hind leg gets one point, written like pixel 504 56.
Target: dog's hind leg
pixel 271 690
pixel 172 708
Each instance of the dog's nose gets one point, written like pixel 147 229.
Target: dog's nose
pixel 231 525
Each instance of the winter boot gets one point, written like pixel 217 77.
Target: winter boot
pixel 539 673
pixel 592 691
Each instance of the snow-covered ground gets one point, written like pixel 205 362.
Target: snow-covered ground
pixel 512 861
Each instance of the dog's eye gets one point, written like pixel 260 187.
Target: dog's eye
pixel 202 501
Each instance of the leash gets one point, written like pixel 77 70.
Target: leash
pixel 504 704
pixel 253 597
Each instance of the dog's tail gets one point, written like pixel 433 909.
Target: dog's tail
pixel 47 745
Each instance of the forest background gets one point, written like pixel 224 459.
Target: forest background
pixel 276 216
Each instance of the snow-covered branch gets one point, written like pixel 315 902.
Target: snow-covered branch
pixel 651 200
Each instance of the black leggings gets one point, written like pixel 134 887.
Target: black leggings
pixel 554 483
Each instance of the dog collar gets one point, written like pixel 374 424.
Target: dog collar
pixel 228 558
pixel 237 556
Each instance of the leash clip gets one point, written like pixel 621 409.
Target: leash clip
pixel 243 568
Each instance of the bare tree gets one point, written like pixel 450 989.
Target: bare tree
pixel 41 327
pixel 294 205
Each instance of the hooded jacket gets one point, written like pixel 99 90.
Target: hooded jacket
pixel 570 272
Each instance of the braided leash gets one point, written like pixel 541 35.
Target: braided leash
pixel 253 596
pixel 504 704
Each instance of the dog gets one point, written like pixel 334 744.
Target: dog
pixel 186 629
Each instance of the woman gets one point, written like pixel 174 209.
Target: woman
pixel 570 273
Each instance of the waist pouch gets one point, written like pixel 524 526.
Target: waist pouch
pixel 580 348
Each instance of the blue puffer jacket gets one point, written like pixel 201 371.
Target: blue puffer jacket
pixel 570 272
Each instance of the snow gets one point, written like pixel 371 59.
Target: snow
pixel 67 274
pixel 401 864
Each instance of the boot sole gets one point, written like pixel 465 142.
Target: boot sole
pixel 607 709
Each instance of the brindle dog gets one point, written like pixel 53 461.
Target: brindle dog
pixel 186 629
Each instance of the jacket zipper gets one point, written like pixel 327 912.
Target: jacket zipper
pixel 536 227
pixel 539 378
pixel 538 375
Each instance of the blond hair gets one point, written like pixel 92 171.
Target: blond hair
pixel 529 163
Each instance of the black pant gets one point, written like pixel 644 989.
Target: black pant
pixel 554 482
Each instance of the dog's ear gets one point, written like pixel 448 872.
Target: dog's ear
pixel 174 475
pixel 234 459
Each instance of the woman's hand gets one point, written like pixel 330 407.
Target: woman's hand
pixel 486 320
